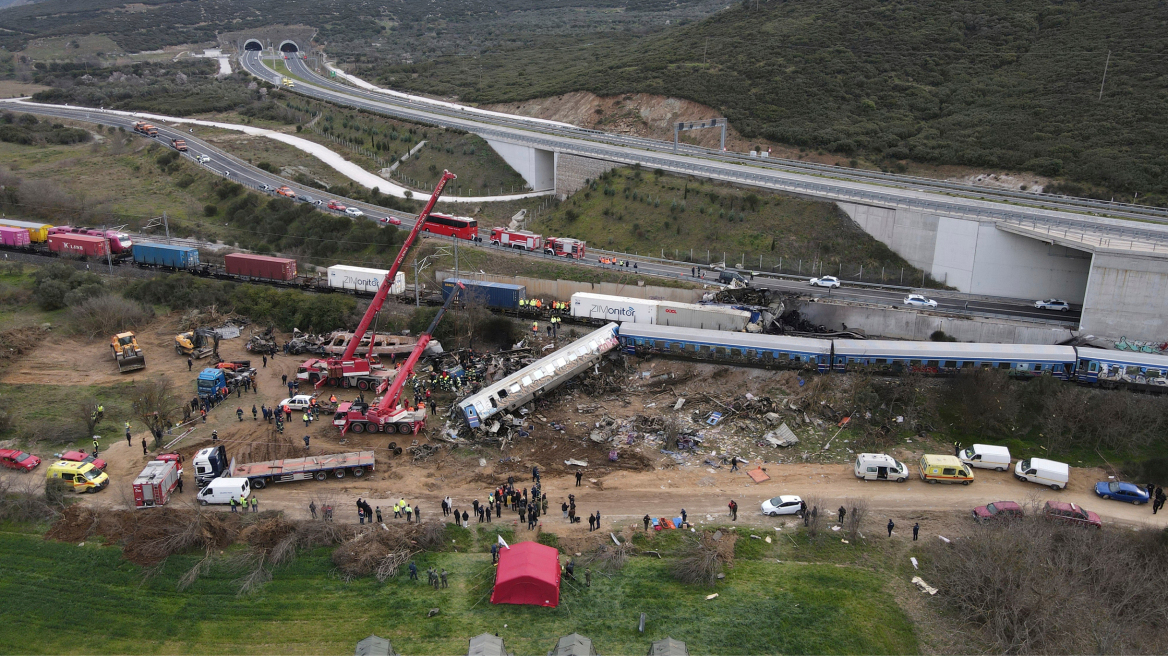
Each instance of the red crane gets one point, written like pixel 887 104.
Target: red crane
pixel 348 370
pixel 388 416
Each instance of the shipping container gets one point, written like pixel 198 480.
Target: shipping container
pixel 166 255
pixel 37 232
pixel 15 237
pixel 361 279
pixel 599 307
pixel 155 484
pixel 260 266
pixel 119 242
pixel 491 294
pixel 704 317
pixel 78 245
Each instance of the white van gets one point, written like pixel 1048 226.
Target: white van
pixel 880 467
pixel 986 456
pixel 221 490
pixel 1043 472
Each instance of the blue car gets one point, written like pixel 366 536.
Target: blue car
pixel 1121 492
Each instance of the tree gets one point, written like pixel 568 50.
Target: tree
pixel 157 406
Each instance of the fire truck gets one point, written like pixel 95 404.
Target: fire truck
pixel 520 239
pixel 564 247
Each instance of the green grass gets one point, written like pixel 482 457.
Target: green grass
pixel 761 608
pixel 1013 85
pixel 635 211
pixel 40 411
pixel 69 47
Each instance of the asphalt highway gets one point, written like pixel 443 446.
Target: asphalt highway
pixel 252 62
pixel 224 164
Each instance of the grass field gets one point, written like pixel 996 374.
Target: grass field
pixel 68 47
pixel 635 211
pixel 89 600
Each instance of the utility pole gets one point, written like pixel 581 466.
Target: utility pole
pixel 417 296
pixel 455 240
pixel 166 224
pixel 1105 65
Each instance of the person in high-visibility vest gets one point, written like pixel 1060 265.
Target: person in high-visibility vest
pixel 535 327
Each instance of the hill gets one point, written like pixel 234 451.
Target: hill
pixel 985 84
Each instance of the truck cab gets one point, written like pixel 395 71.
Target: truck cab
pixel 179 145
pixel 211 382
pixel 210 463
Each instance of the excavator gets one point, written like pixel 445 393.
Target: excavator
pixel 348 369
pixel 387 414
pixel 127 353
pixel 198 343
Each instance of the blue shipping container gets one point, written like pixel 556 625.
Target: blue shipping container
pixel 491 294
pixel 165 255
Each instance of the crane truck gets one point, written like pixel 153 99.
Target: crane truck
pixel 349 370
pixel 387 414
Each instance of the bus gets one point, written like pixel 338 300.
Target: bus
pixel 459 226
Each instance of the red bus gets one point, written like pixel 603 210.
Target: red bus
pixel 459 226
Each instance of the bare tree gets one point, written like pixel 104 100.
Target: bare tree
pixel 157 406
pixel 858 511
pixel 815 517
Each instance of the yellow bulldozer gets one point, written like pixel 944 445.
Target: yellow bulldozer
pixel 127 353
pixel 198 343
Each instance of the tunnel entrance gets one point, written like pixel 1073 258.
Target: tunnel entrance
pixel 289 46
pixel 253 46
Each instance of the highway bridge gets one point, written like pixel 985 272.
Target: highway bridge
pixel 981 241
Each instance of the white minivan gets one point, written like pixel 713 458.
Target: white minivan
pixel 222 490
pixel 880 467
pixel 1044 472
pixel 986 456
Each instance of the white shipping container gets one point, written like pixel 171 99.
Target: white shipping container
pixel 704 317
pixel 361 279
pixel 614 308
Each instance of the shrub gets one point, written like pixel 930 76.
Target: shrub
pixel 548 539
pixel 108 314
pixel 210 210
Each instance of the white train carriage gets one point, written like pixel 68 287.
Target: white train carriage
pixel 539 377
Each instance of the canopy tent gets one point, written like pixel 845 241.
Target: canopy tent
pixel 528 573
pixel 668 647
pixel 573 644
pixel 485 644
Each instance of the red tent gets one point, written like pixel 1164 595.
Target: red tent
pixel 528 573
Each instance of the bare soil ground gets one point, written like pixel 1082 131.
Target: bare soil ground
pixel 642 480
pixel 649 115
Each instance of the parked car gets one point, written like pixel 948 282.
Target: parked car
pixel 391 220
pixel 1129 492
pixel 336 205
pixel 354 212
pixel 1071 513
pixel 286 192
pixel 298 402
pixel 265 187
pixel 202 159
pixel 997 511
pixel 16 459
pixel 917 300
pixel 785 504
pixel 81 456
pixel 826 281
pixel 1053 304
pixel 305 198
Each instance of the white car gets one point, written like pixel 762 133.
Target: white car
pixel 1053 304
pixel 202 159
pixel 826 281
pixel 298 402
pixel 918 300
pixel 785 504
pixel 354 212
pixel 265 187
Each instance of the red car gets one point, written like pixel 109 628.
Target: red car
pixel 1071 513
pixel 15 459
pixel 81 456
pixel 391 220
pixel 336 205
pixel 998 511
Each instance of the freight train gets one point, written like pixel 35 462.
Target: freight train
pixel 45 239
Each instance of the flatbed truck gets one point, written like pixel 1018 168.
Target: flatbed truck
pixel 337 465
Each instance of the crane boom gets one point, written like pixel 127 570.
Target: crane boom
pixel 383 290
pixel 390 398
